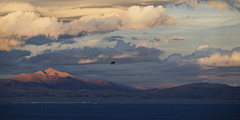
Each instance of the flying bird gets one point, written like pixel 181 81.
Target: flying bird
pixel 113 62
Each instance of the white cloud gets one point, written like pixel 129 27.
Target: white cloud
pixel 219 60
pixel 177 38
pixel 139 18
pixel 188 20
pixel 144 43
pixel 207 57
pixel 20 24
pixel 202 47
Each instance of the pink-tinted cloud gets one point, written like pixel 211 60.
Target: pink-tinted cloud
pixel 82 61
pixel 177 38
pixel 144 43
pixel 164 40
pixel 188 20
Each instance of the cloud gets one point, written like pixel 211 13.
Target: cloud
pixel 121 53
pixel 177 38
pixel 12 57
pixel 68 42
pixel 15 6
pixel 188 20
pixel 54 5
pixel 226 37
pixel 134 65
pixel 65 12
pixel 122 46
pixel 208 58
pixel 219 60
pixel 163 40
pixel 16 27
pixel 134 38
pixel 174 58
pixel 82 61
pixel 8 44
pixel 144 43
pixel 41 40
pixel 218 4
pixel 38 40
pixel 139 18
pixel 205 51
pixel 73 10
pixel 203 47
pixel 178 69
pixel 113 38
pixel 22 25
pixel 234 37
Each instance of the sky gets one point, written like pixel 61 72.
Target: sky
pixel 153 42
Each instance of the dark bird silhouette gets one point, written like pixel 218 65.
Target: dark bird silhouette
pixel 113 62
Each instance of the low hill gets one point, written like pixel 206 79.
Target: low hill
pixel 199 91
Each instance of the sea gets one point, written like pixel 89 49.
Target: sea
pixel 120 111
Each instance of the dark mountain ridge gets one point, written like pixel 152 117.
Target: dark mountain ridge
pixel 61 86
pixel 199 91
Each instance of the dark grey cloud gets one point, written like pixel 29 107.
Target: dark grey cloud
pixel 174 58
pixel 113 38
pixel 41 40
pixel 134 65
pixel 134 38
pixel 64 57
pixel 68 36
pixel 121 53
pixel 12 57
pixel 68 42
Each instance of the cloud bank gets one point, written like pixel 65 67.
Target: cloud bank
pixel 134 65
pixel 164 40
pixel 121 53
pixel 17 26
pixel 217 4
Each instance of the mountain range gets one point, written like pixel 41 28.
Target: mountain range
pixel 61 86
pixel 53 79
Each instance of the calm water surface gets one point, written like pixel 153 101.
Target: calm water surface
pixel 119 112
